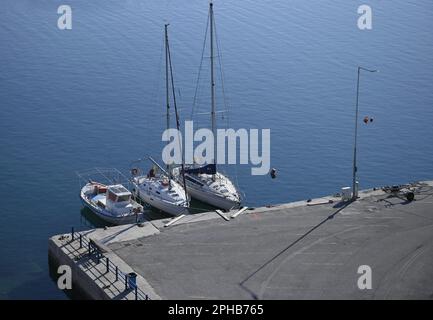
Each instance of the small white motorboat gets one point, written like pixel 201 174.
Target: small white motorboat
pixel 112 203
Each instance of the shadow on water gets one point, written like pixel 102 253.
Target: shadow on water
pixel 197 206
pixel 36 289
pixel 90 220
pixel 76 293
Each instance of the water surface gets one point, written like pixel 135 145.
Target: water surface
pixel 93 96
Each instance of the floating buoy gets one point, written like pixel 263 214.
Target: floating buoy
pixel 367 119
pixel 273 173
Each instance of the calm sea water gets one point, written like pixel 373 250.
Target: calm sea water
pixel 92 96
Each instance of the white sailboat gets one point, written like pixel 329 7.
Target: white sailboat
pixel 158 188
pixel 211 187
pixel 161 192
pixel 205 183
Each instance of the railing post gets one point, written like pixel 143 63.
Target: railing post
pixel 108 265
pixel 136 293
pixel 73 234
pixel 81 240
pixel 126 282
pixel 98 255
pixel 90 249
pixel 117 274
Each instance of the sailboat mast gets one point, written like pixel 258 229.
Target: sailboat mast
pixel 176 111
pixel 212 80
pixel 167 95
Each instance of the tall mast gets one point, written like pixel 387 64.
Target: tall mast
pixel 175 109
pixel 167 96
pixel 212 79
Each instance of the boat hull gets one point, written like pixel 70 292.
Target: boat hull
pixel 212 199
pixel 161 205
pixel 107 217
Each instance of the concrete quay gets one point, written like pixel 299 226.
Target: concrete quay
pixel 301 250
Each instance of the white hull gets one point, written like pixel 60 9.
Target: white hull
pixel 216 190
pixel 107 217
pixel 212 199
pixel 165 206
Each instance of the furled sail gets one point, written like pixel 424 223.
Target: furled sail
pixel 207 169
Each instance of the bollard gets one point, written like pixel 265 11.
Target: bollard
pixel 81 240
pixel 132 279
pixel 73 234
pixel 108 265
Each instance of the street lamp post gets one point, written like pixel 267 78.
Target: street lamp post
pixel 355 169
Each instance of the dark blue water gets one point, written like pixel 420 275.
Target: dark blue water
pixel 92 96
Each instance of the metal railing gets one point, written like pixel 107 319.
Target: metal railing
pixel 93 249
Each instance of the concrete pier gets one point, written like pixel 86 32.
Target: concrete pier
pixel 302 250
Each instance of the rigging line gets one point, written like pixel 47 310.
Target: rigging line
pixel 200 67
pixel 225 100
pixel 156 99
pixel 164 116
pixel 102 174
pixel 167 90
pixel 226 104
pixel 177 119
pixel 202 113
